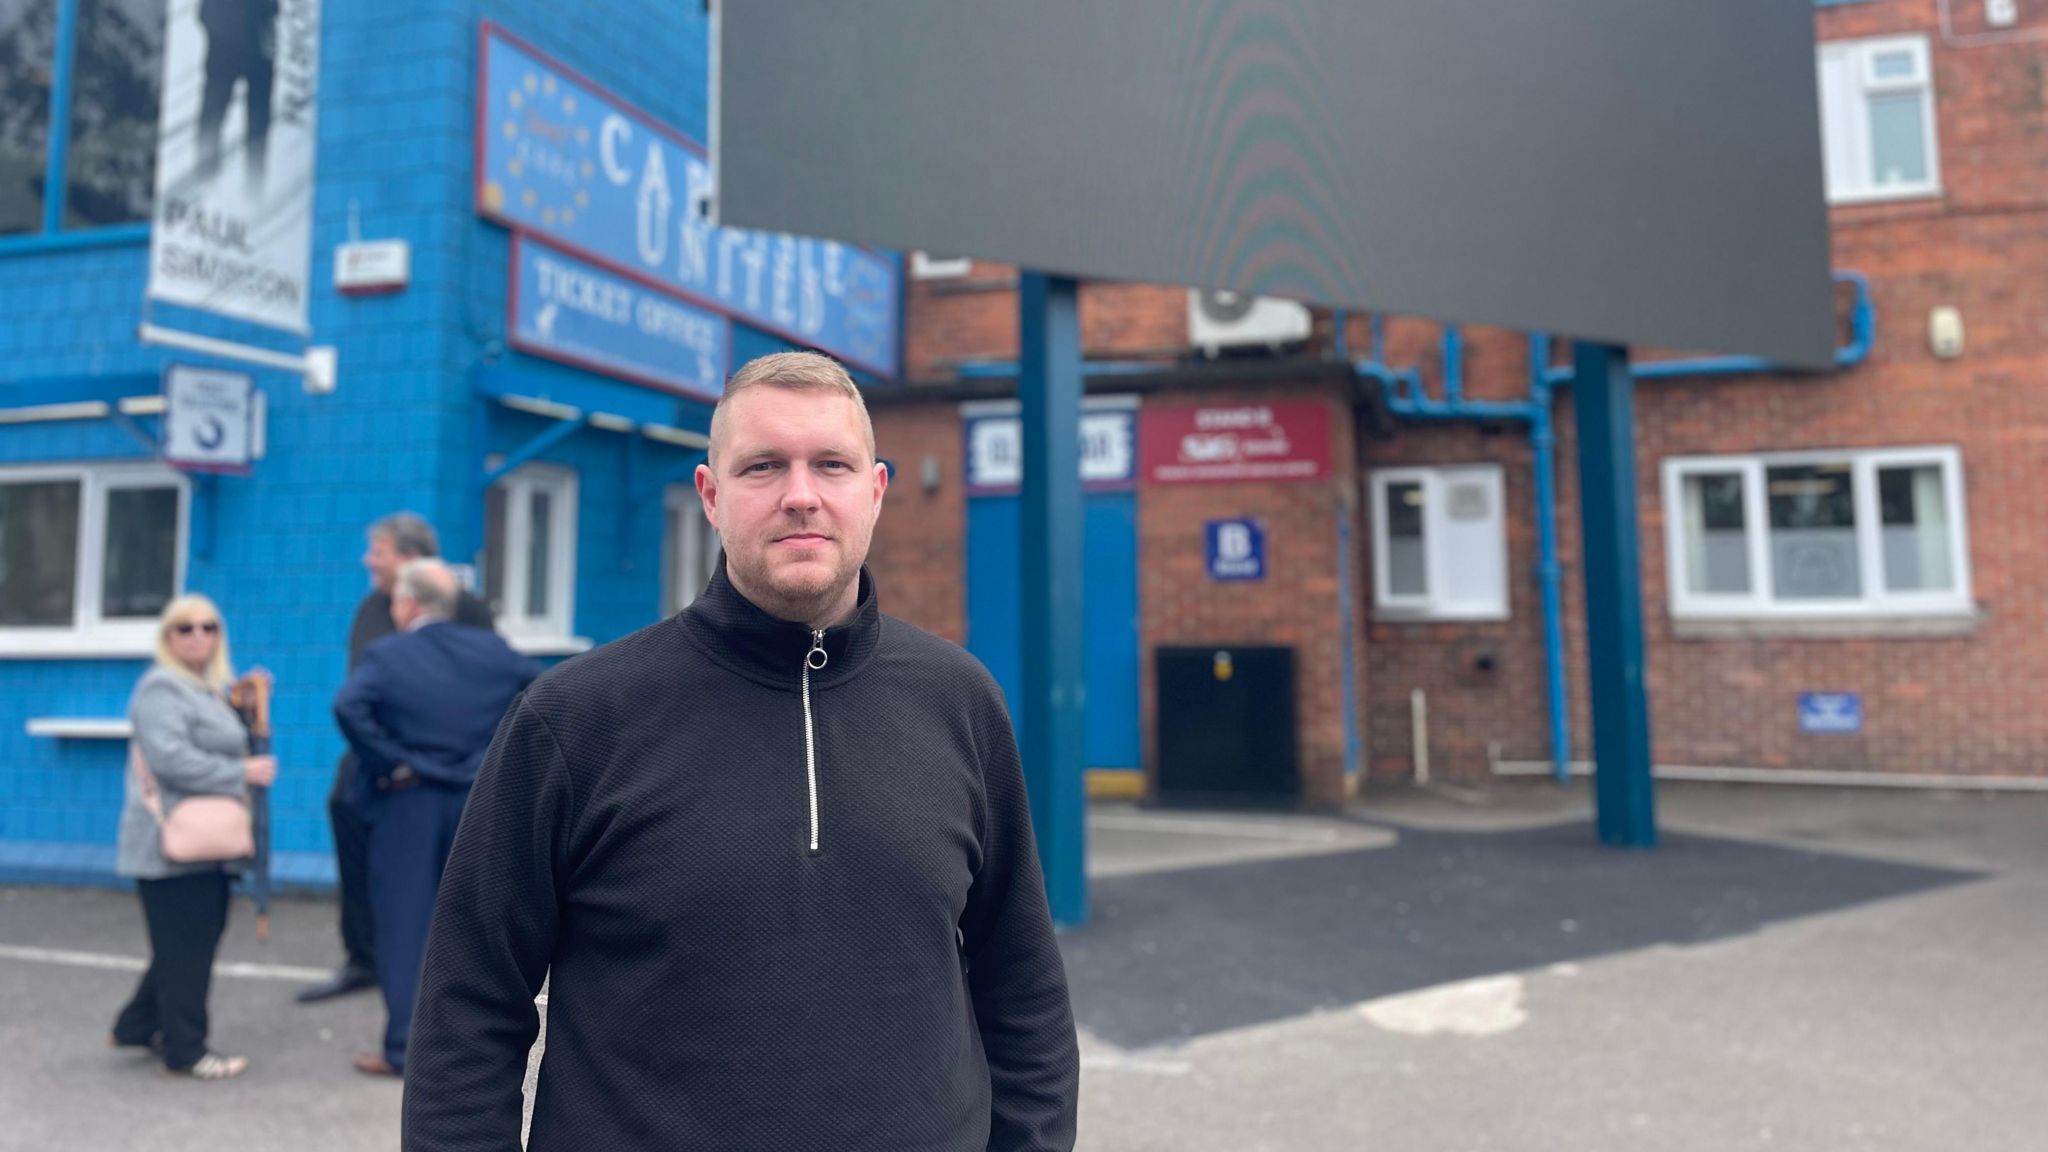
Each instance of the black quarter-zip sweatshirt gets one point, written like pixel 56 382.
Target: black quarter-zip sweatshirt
pixel 786 886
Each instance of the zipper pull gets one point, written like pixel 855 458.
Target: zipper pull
pixel 815 658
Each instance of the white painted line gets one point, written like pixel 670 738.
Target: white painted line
pixel 113 963
pixel 1203 827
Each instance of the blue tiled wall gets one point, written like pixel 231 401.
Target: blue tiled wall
pixel 402 430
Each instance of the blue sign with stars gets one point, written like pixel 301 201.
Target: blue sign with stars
pixel 1237 550
pixel 562 159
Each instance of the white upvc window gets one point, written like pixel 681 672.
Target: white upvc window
pixel 926 266
pixel 1440 543
pixel 690 548
pixel 1818 535
pixel 90 555
pixel 1877 120
pixel 530 555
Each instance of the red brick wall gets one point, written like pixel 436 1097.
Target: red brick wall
pixel 1296 605
pixel 919 556
pixel 975 318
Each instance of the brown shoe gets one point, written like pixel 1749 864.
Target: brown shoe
pixel 372 1064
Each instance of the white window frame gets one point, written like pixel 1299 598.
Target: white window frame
pixel 90 635
pixel 680 555
pixel 1433 604
pixel 1845 118
pixel 1761 602
pixel 554 630
pixel 925 266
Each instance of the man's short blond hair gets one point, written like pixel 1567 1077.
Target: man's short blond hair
pixel 797 372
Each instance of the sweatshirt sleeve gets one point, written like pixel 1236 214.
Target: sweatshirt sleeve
pixel 162 724
pixel 1014 974
pixel 493 936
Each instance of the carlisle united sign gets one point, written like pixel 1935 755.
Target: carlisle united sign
pixel 559 158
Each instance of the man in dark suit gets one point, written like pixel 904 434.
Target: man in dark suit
pixel 393 540
pixel 419 711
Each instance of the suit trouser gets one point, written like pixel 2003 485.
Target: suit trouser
pixel 186 916
pixel 352 867
pixel 410 834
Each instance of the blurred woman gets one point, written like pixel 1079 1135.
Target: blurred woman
pixel 194 744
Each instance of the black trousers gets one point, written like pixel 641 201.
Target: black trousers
pixel 352 864
pixel 186 916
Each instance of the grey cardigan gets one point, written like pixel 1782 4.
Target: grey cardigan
pixel 195 745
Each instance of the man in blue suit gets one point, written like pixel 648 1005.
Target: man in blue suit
pixel 419 711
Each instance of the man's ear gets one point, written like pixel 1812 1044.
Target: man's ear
pixel 707 491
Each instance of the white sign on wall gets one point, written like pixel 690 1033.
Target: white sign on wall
pixel 209 419
pixel 995 450
pixel 233 223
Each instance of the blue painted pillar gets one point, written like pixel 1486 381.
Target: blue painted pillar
pixel 1049 390
pixel 1603 393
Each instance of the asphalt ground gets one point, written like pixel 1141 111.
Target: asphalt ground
pixel 1790 968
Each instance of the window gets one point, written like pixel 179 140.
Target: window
pixel 89 556
pixel 1818 534
pixel 1877 119
pixel 690 549
pixel 1440 543
pixel 925 266
pixel 106 134
pixel 530 553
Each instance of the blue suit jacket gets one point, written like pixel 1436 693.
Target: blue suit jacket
pixel 430 700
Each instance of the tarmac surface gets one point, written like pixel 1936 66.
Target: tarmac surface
pixel 1445 969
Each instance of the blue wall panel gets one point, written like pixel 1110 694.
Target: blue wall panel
pixel 1109 613
pixel 405 429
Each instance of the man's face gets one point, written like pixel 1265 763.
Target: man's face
pixel 383 562
pixel 794 495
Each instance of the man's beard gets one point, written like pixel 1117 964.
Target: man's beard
pixel 791 595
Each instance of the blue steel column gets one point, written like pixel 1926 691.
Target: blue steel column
pixel 1049 389
pixel 1603 393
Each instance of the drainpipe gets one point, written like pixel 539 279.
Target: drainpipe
pixel 1549 572
pixel 1007 369
pixel 1862 330
pixel 1405 397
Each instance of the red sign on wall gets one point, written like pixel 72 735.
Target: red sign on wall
pixel 1240 442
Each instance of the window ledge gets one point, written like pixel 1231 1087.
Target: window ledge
pixel 63 644
pixel 81 727
pixel 1877 627
pixel 1885 195
pixel 550 645
pixel 113 236
pixel 1427 616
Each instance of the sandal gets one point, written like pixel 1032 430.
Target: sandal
pixel 213 1066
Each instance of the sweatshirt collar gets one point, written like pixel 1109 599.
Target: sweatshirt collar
pixel 736 633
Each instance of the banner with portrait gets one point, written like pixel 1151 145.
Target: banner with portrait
pixel 232 225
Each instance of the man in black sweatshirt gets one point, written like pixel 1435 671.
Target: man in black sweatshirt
pixel 773 856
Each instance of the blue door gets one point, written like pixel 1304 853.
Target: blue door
pixel 1109 613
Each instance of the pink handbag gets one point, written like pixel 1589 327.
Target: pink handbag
pixel 197 829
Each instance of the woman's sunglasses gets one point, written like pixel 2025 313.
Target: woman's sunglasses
pixel 186 628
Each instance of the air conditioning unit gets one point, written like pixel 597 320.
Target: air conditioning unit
pixel 1220 321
